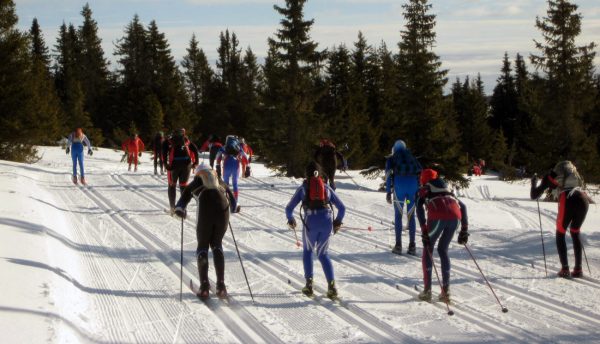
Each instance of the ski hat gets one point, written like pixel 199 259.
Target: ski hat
pixel 399 145
pixel 427 175
pixel 78 132
pixel 202 167
pixel 180 131
pixel 313 169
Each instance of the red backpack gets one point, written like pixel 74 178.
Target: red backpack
pixel 316 197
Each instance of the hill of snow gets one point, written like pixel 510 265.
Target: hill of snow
pixel 101 264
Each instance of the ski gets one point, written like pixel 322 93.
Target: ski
pixel 196 291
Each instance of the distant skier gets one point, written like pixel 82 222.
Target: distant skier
pixel 215 203
pixel 318 223
pixel 573 204
pixel 246 162
pixel 134 147
pixel 156 147
pixel 231 154
pixel 179 155
pixel 328 157
pixel 75 142
pixel 212 146
pixel 445 213
pixel 402 173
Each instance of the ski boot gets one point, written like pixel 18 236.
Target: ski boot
pixel 577 273
pixel 74 179
pixel 135 169
pixel 155 171
pixel 564 272
pixel 425 295
pixel 412 249
pixel 82 181
pixel 445 295
pixel 221 290
pixel 397 249
pixel 172 211
pixel 308 288
pixel 331 290
pixel 204 290
pixel 129 168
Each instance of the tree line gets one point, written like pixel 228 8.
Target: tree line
pixel 363 96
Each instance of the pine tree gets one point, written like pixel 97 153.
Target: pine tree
pixel 385 98
pixel 504 103
pixel 251 79
pixel 568 91
pixel 229 72
pixel 198 77
pixel 93 71
pixel 421 118
pixel 294 62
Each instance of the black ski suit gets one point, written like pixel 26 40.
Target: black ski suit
pixel 179 156
pixel 157 146
pixel 214 207
pixel 573 204
pixel 329 158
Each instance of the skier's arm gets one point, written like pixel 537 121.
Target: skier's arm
pixel 338 204
pixel 298 196
pixel 231 197
pixel 165 151
pixel 193 189
pixel 464 221
pixel 194 149
pixel 421 208
pixel 548 181
pixel 87 142
pixel 388 176
pixel 141 146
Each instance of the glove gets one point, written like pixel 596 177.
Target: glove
pixel 247 172
pixel 345 165
pixel 219 171
pixel 68 150
pixel 180 212
pixel 463 236
pixel 337 224
pixel 168 167
pixel 425 239
pixel 388 197
pixel 292 224
pixel 140 154
pixel 534 180
pixel 90 152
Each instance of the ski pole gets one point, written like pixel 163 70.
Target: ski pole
pixel 504 309
pixel 370 229
pixel 241 263
pixel 295 235
pixel 181 266
pixel 352 179
pixel 450 312
pixel 542 236
pixel 586 260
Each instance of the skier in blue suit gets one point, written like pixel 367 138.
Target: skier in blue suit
pixel 316 197
pixel 75 143
pixel 402 172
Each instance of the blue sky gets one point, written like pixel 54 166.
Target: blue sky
pixel 472 35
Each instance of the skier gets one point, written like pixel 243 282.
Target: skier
pixel 179 156
pixel 246 162
pixel 445 213
pixel 402 172
pixel 212 146
pixel 573 204
pixel 215 203
pixel 75 142
pixel 134 147
pixel 230 154
pixel 315 196
pixel 156 147
pixel 328 157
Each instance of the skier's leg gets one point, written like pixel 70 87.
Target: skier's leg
pixel 172 193
pixel 561 246
pixel 426 262
pixel 235 176
pixel 323 225
pixel 80 160
pixel 561 230
pixel 216 245
pixel 412 225
pixel 398 210
pixel 74 159
pixel 449 227
pixel 308 243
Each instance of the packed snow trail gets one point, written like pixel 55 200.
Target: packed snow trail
pixel 116 253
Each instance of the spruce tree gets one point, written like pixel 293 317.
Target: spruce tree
pixel 422 118
pixel 294 61
pixel 198 77
pixel 251 79
pixel 568 91
pixel 504 102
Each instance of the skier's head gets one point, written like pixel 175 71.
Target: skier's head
pixel 242 140
pixel 399 145
pixel 325 142
pixel 207 175
pixel 428 175
pixel 313 170
pixel 78 132
pixel 179 132
pixel 202 167
pixel 161 134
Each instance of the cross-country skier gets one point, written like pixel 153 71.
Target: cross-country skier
pixel 156 147
pixel 328 157
pixel 215 203
pixel 445 213
pixel 212 146
pixel 134 147
pixel 318 222
pixel 75 142
pixel 179 155
pixel 231 154
pixel 246 162
pixel 573 205
pixel 402 173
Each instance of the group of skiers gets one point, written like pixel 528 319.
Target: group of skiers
pixel 422 190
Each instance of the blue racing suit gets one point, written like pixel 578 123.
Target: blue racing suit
pixel 231 168
pixel 317 227
pixel 76 145
pixel 402 172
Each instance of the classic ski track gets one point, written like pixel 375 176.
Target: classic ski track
pixel 473 315
pixel 243 326
pixel 515 291
pixel 162 314
pixel 264 265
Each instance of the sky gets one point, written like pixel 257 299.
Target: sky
pixel 472 35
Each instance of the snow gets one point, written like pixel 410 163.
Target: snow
pixel 101 264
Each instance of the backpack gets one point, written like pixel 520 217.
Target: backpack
pixel 405 164
pixel 567 175
pixel 315 195
pixel 232 145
